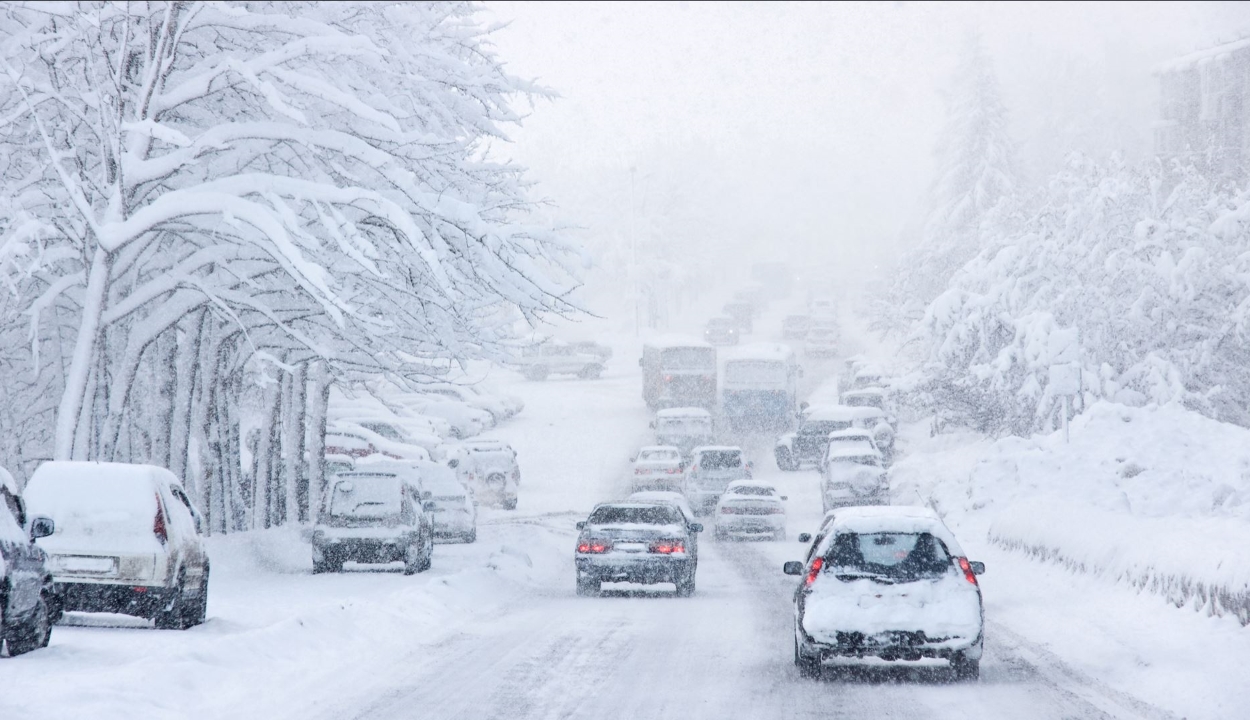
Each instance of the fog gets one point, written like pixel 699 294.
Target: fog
pixel 807 130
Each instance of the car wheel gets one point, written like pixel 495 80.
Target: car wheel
pixel 509 503
pixel 32 635
pixel 412 559
pixel 472 536
pixel 965 669
pixel 591 372
pixel 685 586
pixel 197 612
pixel 809 667
pixel 427 557
pixel 170 615
pixel 785 460
pixel 588 587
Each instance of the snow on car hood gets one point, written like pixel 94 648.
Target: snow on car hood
pixel 947 607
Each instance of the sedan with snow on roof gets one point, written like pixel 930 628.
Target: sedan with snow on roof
pixel 712 468
pixel 658 467
pixel 891 584
pixel 636 543
pixel 751 509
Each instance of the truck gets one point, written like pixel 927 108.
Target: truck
pixel 678 371
pixel 759 387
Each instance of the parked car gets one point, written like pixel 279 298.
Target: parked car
pixel 721 331
pixel 638 543
pixel 375 436
pixel 465 420
pixel 795 327
pixel 590 347
pixel 751 508
pixel 455 509
pixel 490 468
pixel 890 583
pixel 821 342
pixel 536 362
pixel 28 603
pixel 712 468
pixel 658 467
pixel 684 428
pixel 500 407
pixel 853 476
pixel 376 514
pixel 127 540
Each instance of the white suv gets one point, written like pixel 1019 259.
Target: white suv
pixel 126 540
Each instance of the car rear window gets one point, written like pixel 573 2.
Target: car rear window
pixel 824 427
pixel 688 359
pixel 653 515
pixel 659 455
pixel 720 459
pixel 752 490
pixel 366 497
pixel 93 499
pixel 897 556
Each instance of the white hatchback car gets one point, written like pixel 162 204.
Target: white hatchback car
pixel 658 467
pixel 127 540
pixel 890 583
pixel 750 508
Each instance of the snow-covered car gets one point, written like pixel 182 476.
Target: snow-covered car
pixel 853 476
pixel 712 468
pixel 822 307
pixel 465 420
pixel 888 583
pixel 455 509
pixel 743 314
pixel 821 342
pixel 500 407
pixel 375 514
pixel 658 467
pixel 346 434
pixel 28 604
pixel 684 428
pixel 127 540
pixel 536 362
pixel 590 347
pixel 795 327
pixel 808 443
pixel 751 508
pixel 490 468
pixel 637 543
pixel 721 331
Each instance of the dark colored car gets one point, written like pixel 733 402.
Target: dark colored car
pixel 374 516
pixel 809 443
pixel 638 543
pixel 28 607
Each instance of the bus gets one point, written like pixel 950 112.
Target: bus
pixel 678 371
pixel 759 387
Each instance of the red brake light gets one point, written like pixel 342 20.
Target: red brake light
pixel 726 510
pixel 813 571
pixel 594 546
pixel 673 471
pixel 639 471
pixel 668 378
pixel 158 524
pixel 668 548
pixel 967 568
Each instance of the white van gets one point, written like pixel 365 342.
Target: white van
pixel 127 540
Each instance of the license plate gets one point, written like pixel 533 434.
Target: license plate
pixel 77 563
pixel 631 547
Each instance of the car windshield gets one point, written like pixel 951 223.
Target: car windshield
pixel 684 425
pixel 366 497
pixel 720 459
pixel 384 429
pixel 688 358
pixel 634 515
pixel 855 459
pixel 899 556
pixel 824 427
pixel 867 400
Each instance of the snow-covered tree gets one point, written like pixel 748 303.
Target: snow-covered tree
pixel 205 192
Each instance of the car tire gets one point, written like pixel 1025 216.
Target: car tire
pixel 509 503
pixel 412 559
pixel 196 613
pixel 965 670
pixel 785 460
pixel 588 587
pixel 471 537
pixel 808 667
pixel 427 557
pixel 170 616
pixel 591 372
pixel 33 634
pixel 685 585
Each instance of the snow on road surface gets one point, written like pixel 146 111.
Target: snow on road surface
pixel 495 630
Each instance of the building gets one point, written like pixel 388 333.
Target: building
pixel 1203 109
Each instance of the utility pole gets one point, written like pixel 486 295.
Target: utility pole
pixel 633 253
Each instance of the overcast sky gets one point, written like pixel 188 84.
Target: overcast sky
pixel 821 118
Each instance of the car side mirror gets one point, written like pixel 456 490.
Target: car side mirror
pixel 804 405
pixel 41 527
pixel 794 567
pixel 696 527
pixel 581 525
pixel 784 498
pixel 429 507
pixel 633 458
pixel 805 537
pixel 978 568
pixel 426 495
pixel 453 463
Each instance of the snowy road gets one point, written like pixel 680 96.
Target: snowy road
pixel 496 631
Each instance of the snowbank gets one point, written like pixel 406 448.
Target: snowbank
pixel 1153 497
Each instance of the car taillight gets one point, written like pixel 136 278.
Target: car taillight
pixel 673 471
pixel 776 510
pixel 158 524
pixel 639 471
pixel 668 378
pixel 726 510
pixel 594 546
pixel 813 571
pixel 668 547
pixel 967 568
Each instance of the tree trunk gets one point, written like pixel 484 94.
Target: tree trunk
pixel 76 382
pixel 166 373
pixel 316 486
pixel 266 457
pixel 187 362
pixel 296 476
